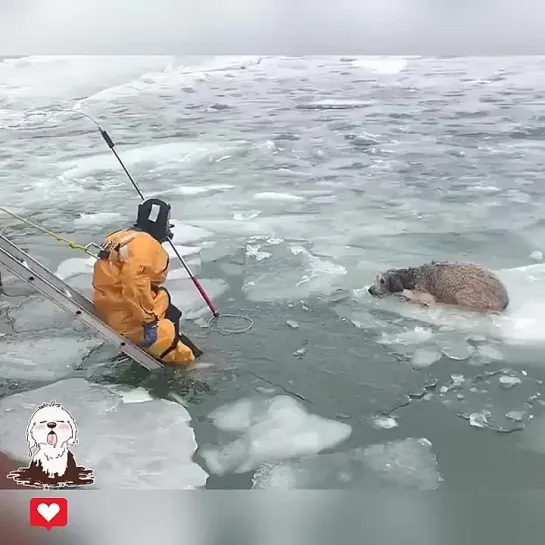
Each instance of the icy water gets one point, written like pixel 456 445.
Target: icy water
pixel 294 181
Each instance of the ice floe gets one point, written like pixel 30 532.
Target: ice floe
pixel 293 273
pixel 184 233
pixel 275 429
pixel 185 296
pixel 75 265
pixel 407 463
pixel 281 197
pixel 423 357
pixel 36 314
pixel 48 358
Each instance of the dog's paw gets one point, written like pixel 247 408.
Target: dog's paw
pixel 424 299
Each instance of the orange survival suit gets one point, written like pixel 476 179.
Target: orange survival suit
pixel 127 287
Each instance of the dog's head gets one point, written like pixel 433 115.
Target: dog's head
pixel 51 427
pixel 392 281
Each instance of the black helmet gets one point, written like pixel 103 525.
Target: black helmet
pixel 154 219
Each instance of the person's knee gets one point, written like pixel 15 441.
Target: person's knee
pixel 165 335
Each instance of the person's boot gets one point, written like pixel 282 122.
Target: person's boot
pixel 197 352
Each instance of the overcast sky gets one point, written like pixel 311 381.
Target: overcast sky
pixel 288 27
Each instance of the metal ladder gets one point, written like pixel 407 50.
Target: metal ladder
pixel 27 269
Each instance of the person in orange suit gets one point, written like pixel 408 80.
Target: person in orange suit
pixel 128 291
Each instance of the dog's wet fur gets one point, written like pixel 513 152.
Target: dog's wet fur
pixel 466 285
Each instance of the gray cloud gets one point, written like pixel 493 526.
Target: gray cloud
pixel 291 27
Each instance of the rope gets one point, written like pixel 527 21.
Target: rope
pixel 68 242
pixel 215 324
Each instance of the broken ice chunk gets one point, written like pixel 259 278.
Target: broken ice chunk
pixel 300 353
pixel 131 395
pixel 517 416
pixel 184 233
pixel 255 252
pixel 275 430
pixel 418 335
pixel 184 251
pixel 49 359
pixel 384 422
pixel 457 381
pixel 246 215
pixel 189 301
pixel 478 420
pixel 234 417
pixel 276 476
pixel 405 463
pixel 423 357
pixel 508 382
pixel 408 463
pixel 490 352
pixel 265 391
pixel 36 314
pixel 455 349
pixel 75 266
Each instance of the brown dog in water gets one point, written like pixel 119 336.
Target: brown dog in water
pixel 466 285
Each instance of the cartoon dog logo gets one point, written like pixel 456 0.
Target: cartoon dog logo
pixel 50 433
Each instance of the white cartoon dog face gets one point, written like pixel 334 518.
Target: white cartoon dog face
pixel 51 425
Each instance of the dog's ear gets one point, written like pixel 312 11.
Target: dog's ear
pixel 393 283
